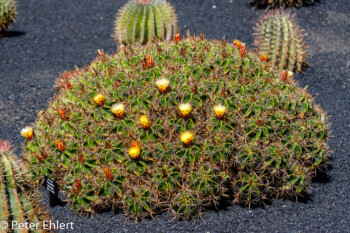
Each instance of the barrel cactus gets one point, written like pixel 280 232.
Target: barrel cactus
pixel 140 21
pixel 279 37
pixel 18 201
pixel 281 3
pixel 179 126
pixel 7 13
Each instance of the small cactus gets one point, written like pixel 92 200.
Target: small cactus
pixel 7 13
pixel 140 21
pixel 279 38
pixel 18 201
pixel 281 3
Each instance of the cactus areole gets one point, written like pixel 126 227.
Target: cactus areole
pixel 204 123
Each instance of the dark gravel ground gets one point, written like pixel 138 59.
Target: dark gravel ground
pixel 51 36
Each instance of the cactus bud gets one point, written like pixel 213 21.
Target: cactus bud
pixel 62 114
pixel 27 132
pixel 77 183
pixel 219 111
pixel 163 84
pixel 108 173
pixel 144 122
pixel 177 38
pixel 185 109
pixel 60 145
pixel 149 61
pixel 99 99
pixel 237 43
pixel 118 109
pixel 286 75
pixel 186 137
pixel 134 150
pixel 4 146
pixel 242 49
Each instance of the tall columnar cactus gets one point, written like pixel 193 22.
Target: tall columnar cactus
pixel 7 13
pixel 18 201
pixel 178 126
pixel 140 21
pixel 280 38
pixel 281 3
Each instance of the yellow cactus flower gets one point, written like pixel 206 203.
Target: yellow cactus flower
pixel 219 111
pixel 185 109
pixel 99 99
pixel 134 150
pixel 27 132
pixel 186 137
pixel 144 122
pixel 163 84
pixel 118 109
pixel 290 74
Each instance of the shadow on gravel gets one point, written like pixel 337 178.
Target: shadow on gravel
pixel 9 34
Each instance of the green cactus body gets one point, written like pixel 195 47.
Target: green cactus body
pixel 280 38
pixel 15 203
pixel 281 3
pixel 178 126
pixel 7 13
pixel 18 201
pixel 140 21
pixel 4 214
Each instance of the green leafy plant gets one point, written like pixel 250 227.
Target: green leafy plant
pixel 278 36
pixel 178 126
pixel 18 201
pixel 7 13
pixel 281 3
pixel 141 21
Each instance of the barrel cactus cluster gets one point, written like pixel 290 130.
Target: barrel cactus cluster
pixel 281 3
pixel 179 126
pixel 7 13
pixel 18 201
pixel 141 21
pixel 278 36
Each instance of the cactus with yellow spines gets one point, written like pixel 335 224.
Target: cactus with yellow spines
pixel 141 21
pixel 183 125
pixel 279 37
pixel 18 201
pixel 7 13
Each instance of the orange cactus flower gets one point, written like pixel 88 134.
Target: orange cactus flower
pixel 177 38
pixel 149 60
pixel 263 57
pixel 108 173
pixel 237 43
pixel 62 114
pixel 60 145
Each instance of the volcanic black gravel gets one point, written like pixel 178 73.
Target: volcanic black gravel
pixel 51 36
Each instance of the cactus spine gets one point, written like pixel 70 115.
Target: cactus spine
pixel 7 13
pixel 280 3
pixel 140 21
pixel 18 201
pixel 279 37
